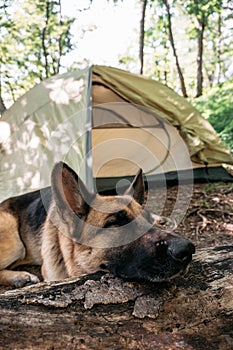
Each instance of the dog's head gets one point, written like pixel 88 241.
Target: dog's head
pixel 115 233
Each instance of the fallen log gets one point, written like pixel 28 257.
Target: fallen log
pixel 103 312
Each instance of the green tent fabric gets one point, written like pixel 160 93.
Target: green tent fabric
pixel 105 123
pixel 203 143
pixel 46 125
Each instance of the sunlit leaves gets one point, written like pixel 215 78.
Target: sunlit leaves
pixel 34 38
pixel 217 106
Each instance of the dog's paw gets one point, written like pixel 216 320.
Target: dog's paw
pixel 24 278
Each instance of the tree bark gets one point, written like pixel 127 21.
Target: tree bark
pixel 200 47
pixel 142 36
pixel 43 39
pixel 2 105
pixel 219 51
pixel 103 312
pixel 171 39
pixel 59 40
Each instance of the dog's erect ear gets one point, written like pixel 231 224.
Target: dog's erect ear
pixel 137 188
pixel 69 190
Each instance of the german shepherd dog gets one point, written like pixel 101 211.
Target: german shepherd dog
pixel 71 232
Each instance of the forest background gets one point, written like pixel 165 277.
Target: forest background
pixel 185 44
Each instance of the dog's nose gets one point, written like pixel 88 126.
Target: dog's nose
pixel 181 249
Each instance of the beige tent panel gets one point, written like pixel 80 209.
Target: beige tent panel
pixel 121 151
pixel 126 137
pixel 203 143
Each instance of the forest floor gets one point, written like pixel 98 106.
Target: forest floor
pixel 207 218
pixel 199 318
pixel 207 213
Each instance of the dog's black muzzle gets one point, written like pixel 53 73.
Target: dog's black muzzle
pixel 179 249
pixel 157 256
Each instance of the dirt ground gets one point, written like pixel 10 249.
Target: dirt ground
pixel 206 212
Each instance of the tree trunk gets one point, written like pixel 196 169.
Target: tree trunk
pixel 171 39
pixel 142 36
pixel 2 105
pixel 200 39
pixel 43 39
pixel 102 312
pixel 219 53
pixel 58 65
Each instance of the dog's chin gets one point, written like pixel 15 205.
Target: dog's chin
pixel 180 273
pixel 160 278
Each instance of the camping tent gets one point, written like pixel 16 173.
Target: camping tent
pixel 105 123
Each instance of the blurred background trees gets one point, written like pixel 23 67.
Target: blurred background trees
pixel 186 44
pixel 34 38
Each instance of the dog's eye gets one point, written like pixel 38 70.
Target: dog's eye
pixel 110 224
pixel 103 266
pixel 119 219
pixel 117 223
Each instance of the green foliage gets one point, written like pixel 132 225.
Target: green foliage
pixel 190 19
pixel 217 107
pixel 34 38
pixel 201 10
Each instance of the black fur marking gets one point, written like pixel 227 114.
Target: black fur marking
pixel 121 218
pixel 36 212
pixel 30 208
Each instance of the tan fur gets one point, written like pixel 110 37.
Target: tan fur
pixel 12 253
pixel 61 255
pixel 78 259
pixel 79 233
pixel 12 248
